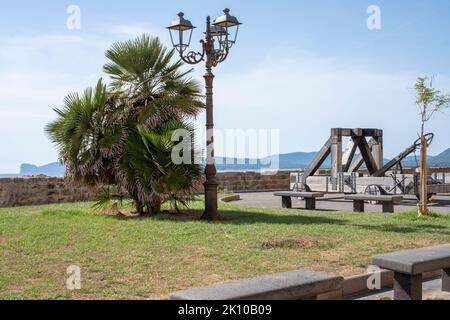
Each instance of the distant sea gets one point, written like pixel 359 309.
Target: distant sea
pixel 289 161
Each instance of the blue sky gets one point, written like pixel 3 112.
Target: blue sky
pixel 300 66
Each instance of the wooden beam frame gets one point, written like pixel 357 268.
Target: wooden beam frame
pixel 371 152
pixel 366 153
pixel 354 167
pixel 347 158
pixel 318 160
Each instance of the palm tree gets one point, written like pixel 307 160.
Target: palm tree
pixel 159 98
pixel 122 136
pixel 141 69
pixel 150 175
pixel 78 134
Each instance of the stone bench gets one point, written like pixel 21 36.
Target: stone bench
pixel 386 200
pixel 310 198
pixel 410 265
pixel 292 285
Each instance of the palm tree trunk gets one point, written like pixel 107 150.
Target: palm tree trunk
pixel 140 208
pixel 155 207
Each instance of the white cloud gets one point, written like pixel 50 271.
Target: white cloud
pixel 38 71
pixel 300 93
pixel 305 95
pixel 27 99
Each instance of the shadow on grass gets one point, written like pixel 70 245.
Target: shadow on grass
pixel 424 228
pixel 236 217
pixel 315 210
pixel 240 218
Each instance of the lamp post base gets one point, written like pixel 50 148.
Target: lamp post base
pixel 211 188
pixel 211 211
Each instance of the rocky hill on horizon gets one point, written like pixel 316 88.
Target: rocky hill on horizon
pixel 288 161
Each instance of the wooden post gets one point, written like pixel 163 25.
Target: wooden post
pixel 336 155
pixel 378 150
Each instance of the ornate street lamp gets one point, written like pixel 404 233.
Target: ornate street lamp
pixel 215 49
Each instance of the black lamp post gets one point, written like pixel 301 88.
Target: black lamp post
pixel 215 49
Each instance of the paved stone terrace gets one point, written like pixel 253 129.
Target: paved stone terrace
pixel 441 204
pixel 431 291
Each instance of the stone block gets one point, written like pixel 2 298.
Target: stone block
pixel 293 285
pixel 415 261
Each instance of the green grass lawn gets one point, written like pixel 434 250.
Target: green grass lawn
pixel 147 258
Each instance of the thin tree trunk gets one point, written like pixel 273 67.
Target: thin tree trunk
pixel 423 207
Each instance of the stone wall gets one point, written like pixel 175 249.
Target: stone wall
pixel 41 190
pixel 253 181
pixel 44 190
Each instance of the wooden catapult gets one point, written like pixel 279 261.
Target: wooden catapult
pixel 364 148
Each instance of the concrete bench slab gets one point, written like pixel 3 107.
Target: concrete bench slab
pixel 299 194
pixel 415 261
pixel 369 197
pixel 292 285
pixel 409 267
pixel 310 198
pixel 387 201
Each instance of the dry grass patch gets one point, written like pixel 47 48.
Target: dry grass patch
pixel 301 242
pixel 128 257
